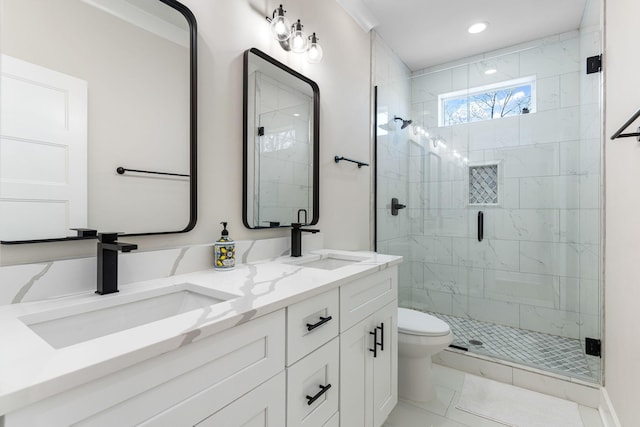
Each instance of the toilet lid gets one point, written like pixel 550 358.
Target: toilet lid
pixel 418 323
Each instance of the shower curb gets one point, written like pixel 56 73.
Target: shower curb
pixel 578 391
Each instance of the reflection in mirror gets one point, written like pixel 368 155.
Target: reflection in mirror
pixel 88 86
pixel 281 146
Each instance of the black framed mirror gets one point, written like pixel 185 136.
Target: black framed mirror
pixel 281 145
pixel 108 90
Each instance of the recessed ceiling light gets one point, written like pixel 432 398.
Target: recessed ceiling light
pixel 490 71
pixel 478 27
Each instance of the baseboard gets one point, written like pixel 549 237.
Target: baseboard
pixel 581 392
pixel 606 410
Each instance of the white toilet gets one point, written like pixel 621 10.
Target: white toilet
pixel 420 336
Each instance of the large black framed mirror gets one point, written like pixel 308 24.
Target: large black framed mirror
pixel 281 145
pixel 97 118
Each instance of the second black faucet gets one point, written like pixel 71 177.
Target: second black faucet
pixel 296 238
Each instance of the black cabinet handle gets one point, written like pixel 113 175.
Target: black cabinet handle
pixel 375 342
pixel 323 320
pixel 323 390
pixel 381 343
pixel 480 226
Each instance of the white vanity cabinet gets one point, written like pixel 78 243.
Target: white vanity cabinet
pixel 310 364
pixel 369 350
pixel 178 388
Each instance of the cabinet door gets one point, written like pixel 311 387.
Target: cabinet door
pixel 385 365
pixel 312 387
pixel 264 406
pixel 356 375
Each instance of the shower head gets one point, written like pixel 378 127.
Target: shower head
pixel 405 123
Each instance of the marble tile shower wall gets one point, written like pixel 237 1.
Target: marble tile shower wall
pixel 391 76
pixel 538 265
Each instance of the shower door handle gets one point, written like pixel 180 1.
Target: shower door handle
pixel 480 226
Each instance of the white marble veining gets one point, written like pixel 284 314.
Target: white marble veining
pixel 30 369
pixel 33 282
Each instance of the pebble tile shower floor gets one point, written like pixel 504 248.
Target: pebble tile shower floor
pixel 558 354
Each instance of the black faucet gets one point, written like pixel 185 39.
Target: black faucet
pixel 296 238
pixel 108 248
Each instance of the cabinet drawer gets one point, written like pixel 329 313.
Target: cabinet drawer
pixel 310 324
pixel 307 404
pixel 362 297
pixel 264 406
pixel 180 387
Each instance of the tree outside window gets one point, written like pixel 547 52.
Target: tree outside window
pixel 479 104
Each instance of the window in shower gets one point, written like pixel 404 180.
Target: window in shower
pixel 494 101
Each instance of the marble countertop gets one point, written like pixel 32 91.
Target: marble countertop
pixel 31 369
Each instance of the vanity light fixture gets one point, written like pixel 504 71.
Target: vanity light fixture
pixel 293 38
pixel 314 53
pixel 478 27
pixel 299 40
pixel 280 26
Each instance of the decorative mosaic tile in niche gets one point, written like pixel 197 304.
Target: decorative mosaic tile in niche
pixel 483 185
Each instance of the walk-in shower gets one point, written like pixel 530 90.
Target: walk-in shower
pixel 501 177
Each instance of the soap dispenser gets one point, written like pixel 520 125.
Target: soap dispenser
pixel 224 251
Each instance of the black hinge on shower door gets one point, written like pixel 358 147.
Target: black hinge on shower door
pixel 593 347
pixel 594 64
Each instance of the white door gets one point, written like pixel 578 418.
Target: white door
pixel 43 151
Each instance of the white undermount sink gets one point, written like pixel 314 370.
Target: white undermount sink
pixel 116 313
pixel 330 261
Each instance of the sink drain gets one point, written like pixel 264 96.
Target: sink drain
pixel 475 342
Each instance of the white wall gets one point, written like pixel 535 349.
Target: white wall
pixel 225 30
pixel 622 198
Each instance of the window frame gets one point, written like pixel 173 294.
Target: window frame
pixel 467 93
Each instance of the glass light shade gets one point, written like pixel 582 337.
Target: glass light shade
pixel 280 28
pixel 299 41
pixel 314 53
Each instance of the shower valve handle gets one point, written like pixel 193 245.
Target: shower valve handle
pixel 396 206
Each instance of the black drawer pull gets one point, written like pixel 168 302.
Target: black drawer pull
pixel 323 390
pixel 381 343
pixel 322 321
pixel 480 226
pixel 375 342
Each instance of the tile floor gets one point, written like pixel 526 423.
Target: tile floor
pixel 549 352
pixel 443 412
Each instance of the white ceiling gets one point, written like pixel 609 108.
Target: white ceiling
pixel 431 32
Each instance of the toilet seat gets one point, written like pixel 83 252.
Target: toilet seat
pixel 417 323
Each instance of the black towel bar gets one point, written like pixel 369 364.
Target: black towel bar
pixel 619 133
pixel 360 164
pixel 122 170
